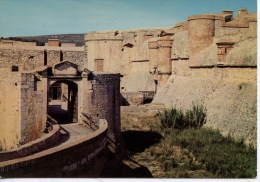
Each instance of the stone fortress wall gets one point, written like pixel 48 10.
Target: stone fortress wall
pixel 28 73
pixel 30 57
pixel 27 115
pixel 209 59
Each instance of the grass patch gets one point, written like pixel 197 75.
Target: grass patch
pixel 190 150
pixel 203 152
pixel 220 155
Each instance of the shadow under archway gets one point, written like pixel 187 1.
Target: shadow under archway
pixel 63 101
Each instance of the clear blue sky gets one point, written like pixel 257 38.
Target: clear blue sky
pixel 42 17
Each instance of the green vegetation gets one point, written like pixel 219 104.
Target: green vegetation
pixel 222 156
pixel 176 118
pixel 188 150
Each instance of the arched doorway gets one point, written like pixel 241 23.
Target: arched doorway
pixel 63 101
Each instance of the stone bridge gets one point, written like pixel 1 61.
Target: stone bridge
pixel 68 150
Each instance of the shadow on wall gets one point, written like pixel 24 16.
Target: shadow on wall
pixel 123 101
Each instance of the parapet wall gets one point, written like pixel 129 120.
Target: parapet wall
pixel 40 144
pixel 30 57
pixel 82 156
pixel 24 59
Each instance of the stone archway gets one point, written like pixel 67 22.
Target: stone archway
pixel 63 101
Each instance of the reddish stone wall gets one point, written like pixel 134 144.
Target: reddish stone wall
pixel 54 42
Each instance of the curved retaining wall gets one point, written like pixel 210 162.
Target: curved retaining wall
pixel 68 160
pixel 40 144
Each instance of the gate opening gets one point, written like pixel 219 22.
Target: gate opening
pixel 63 101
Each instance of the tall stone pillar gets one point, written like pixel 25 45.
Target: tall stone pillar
pixel 164 60
pixel 164 55
pixel 153 56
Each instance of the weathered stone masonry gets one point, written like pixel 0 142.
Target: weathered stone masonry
pixel 104 98
pixel 209 59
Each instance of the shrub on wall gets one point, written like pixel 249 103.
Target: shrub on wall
pixel 176 118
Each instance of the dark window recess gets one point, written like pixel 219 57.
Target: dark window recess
pixel 14 68
pixel 45 57
pixel 35 85
pixel 61 56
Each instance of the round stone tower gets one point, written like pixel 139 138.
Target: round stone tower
pixel 201 29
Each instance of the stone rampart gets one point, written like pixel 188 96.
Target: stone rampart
pixel 16 43
pixel 37 145
pixel 30 57
pixel 24 59
pixel 115 51
pixel 78 157
pixel 10 109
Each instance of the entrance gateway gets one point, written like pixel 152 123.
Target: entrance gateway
pixel 63 89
